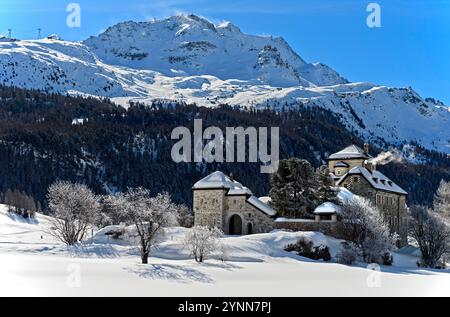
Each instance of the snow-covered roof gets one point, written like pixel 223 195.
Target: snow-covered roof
pixel 327 209
pixel 219 180
pixel 265 199
pixel 350 152
pixel 289 220
pixel 377 179
pixel 341 164
pixel 261 206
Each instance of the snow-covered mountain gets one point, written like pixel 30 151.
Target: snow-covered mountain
pixel 192 46
pixel 189 59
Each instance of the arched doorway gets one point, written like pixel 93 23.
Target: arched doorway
pixel 249 228
pixel 235 226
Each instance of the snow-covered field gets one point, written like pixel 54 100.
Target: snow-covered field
pixel 35 264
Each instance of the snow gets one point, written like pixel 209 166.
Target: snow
pixel 292 220
pixel 352 151
pixel 266 199
pixel 78 121
pixel 345 195
pixel 256 266
pixel 219 180
pixel 188 59
pixel 261 206
pixel 327 209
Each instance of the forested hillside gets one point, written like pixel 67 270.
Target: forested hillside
pixel 44 138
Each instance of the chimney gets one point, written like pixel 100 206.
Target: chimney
pixel 232 177
pixel 366 149
pixel 370 165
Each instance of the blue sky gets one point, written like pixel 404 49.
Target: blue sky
pixel 412 48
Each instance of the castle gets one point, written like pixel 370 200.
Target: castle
pixel 222 202
pixel 354 169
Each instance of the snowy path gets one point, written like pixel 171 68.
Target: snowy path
pixel 44 275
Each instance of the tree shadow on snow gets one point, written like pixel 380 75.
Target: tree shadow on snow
pixel 169 272
pixel 98 251
pixel 18 218
pixel 410 271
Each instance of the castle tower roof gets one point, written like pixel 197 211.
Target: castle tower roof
pixel 351 152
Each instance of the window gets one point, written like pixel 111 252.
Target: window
pixel 355 179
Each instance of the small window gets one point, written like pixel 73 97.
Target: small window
pixel 355 179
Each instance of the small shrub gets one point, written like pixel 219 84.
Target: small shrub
pixel 321 253
pixel 348 254
pixel 305 247
pixel 387 258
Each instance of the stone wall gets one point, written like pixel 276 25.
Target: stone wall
pixel 208 208
pixel 238 205
pixel 352 162
pixel 212 208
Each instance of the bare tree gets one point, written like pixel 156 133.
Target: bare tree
pixel 202 242
pixel 431 233
pixel 365 226
pixel 74 208
pixel 149 216
pixel 442 207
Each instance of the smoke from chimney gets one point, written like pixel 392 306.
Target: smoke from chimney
pixel 385 158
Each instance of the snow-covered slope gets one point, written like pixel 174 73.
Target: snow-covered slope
pixel 191 46
pixel 16 232
pixel 187 58
pixel 255 266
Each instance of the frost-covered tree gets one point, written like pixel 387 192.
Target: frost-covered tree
pixel 431 233
pixel 185 216
pixel 202 242
pixel 442 207
pixel 149 216
pixel 442 200
pixel 74 208
pixel 111 210
pixel 365 226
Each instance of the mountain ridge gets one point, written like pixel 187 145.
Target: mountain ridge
pixel 189 59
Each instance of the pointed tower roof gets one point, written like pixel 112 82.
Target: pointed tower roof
pixel 219 180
